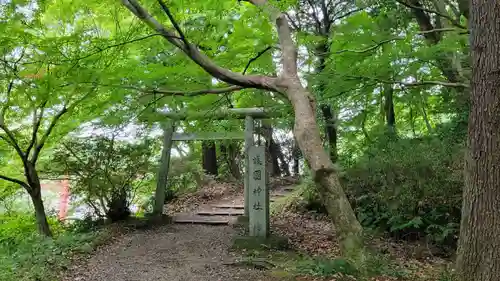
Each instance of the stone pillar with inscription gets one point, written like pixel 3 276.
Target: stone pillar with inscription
pixel 258 192
pixel 249 128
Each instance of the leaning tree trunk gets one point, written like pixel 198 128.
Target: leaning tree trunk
pixel 308 138
pixel 478 256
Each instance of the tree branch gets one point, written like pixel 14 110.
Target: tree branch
pixel 37 120
pixel 6 105
pixel 379 44
pixel 295 26
pixel 53 123
pixel 99 50
pixel 228 76
pixel 11 139
pixel 371 48
pixel 165 92
pixel 415 7
pixel 288 48
pixel 16 181
pixel 174 22
pixel 413 84
pixel 444 29
pixel 346 14
pixel 47 133
pixel 327 20
pixel 314 14
pixel 259 54
pixel 191 93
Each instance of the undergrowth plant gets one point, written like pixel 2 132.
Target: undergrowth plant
pixel 26 256
pixel 410 188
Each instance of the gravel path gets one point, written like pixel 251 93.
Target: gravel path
pixel 167 253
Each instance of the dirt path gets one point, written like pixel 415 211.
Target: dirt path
pixel 175 252
pixel 167 253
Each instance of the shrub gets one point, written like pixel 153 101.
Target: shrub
pixel 374 266
pixel 15 226
pixel 409 187
pixel 185 175
pixel 324 267
pixel 26 256
pixel 106 173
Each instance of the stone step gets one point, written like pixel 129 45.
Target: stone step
pixel 279 195
pixel 200 220
pixel 289 189
pixel 236 212
pixel 237 207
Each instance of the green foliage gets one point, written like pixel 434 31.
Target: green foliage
pixel 448 275
pixel 25 256
pixel 185 174
pixel 409 187
pixel 375 265
pixel 91 58
pixel 107 173
pixel 325 267
pixel 15 226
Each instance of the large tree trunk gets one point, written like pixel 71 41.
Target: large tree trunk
pixel 209 155
pixel 41 217
pixel 35 193
pixel 478 256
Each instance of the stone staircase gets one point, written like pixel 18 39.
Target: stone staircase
pixel 222 213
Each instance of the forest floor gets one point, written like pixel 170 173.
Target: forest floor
pixel 185 252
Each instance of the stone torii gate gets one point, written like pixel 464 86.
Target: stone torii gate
pixel 256 191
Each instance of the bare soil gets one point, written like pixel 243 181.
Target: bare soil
pixel 167 253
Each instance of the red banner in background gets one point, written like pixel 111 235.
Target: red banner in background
pixel 64 199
